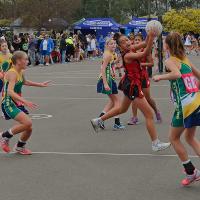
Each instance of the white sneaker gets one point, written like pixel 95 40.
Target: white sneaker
pixel 96 124
pixel 160 146
pixel 47 64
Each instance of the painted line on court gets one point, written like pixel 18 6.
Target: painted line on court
pixel 108 154
pixel 40 116
pixel 73 85
pixel 69 77
pixel 64 73
pixel 87 85
pixel 80 98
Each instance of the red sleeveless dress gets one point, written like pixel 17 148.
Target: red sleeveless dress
pixel 131 82
pixel 144 74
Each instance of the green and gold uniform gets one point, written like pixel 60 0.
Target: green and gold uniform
pixel 10 107
pixel 110 77
pixel 186 96
pixel 5 64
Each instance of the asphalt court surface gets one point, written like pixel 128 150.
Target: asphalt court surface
pixel 72 162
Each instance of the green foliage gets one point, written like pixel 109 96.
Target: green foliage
pixel 178 4
pixel 37 12
pixel 5 22
pixel 182 21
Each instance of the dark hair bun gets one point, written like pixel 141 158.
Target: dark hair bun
pixel 116 37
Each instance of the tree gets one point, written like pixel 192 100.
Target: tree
pixel 37 12
pixel 180 4
pixel 182 21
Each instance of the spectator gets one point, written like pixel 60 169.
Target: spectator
pixel 188 44
pixel 101 44
pixel 89 48
pixel 32 47
pixel 24 43
pixel 52 46
pixel 82 40
pixel 63 47
pixel 93 46
pixel 70 47
pixel 16 43
pixel 77 45
pixel 46 47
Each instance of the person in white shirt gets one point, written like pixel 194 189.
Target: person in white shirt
pixel 188 44
pixel 93 46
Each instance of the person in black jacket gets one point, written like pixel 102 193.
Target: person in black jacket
pixel 16 43
pixel 63 46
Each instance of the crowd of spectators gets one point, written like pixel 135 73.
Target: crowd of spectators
pixel 44 48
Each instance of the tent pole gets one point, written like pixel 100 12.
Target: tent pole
pixel 149 8
pixel 160 49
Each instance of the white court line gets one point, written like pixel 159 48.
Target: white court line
pixel 87 85
pixel 80 98
pixel 78 71
pixel 73 85
pixel 64 73
pixel 108 154
pixel 69 77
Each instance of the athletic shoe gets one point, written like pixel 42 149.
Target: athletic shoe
pixel 159 146
pixel 4 144
pixel 102 126
pixel 158 117
pixel 133 121
pixel 117 127
pixel 96 124
pixel 22 150
pixel 47 64
pixel 191 178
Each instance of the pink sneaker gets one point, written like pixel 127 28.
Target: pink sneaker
pixel 22 150
pixel 191 178
pixel 133 121
pixel 4 144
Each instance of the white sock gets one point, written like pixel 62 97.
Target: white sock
pixel 155 141
pixel 186 162
pixel 10 131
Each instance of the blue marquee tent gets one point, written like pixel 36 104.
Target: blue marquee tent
pixel 98 26
pixel 137 25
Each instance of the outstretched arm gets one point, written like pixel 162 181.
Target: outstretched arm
pixel 172 75
pixel 36 84
pixel 132 56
